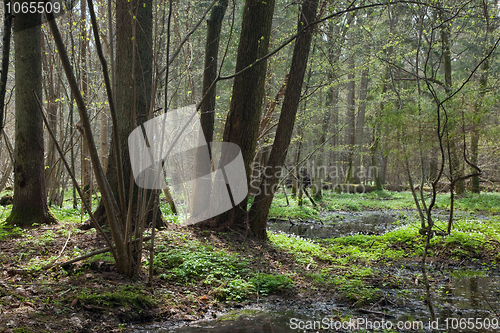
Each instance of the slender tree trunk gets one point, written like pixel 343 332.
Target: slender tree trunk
pixel 351 122
pixel 103 117
pixel 7 29
pixel 261 204
pixel 478 107
pixel 453 135
pixel 133 92
pixel 111 207
pixel 51 168
pixel 30 200
pixel 360 118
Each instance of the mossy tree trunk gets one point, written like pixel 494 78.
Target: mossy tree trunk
pixel 30 200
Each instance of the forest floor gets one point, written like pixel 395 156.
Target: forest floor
pixel 202 274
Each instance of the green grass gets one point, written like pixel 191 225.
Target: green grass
pixel 379 200
pixel 129 297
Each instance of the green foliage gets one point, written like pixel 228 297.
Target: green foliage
pixel 303 249
pixel 234 290
pixel 349 283
pixel 7 231
pixel 267 284
pixel 293 211
pixel 379 200
pixel 484 202
pixel 22 330
pixel 203 263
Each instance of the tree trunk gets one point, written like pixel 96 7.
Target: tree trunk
pixel 478 107
pixel 7 25
pixel 86 170
pixel 133 90
pixel 360 118
pixel 261 204
pixel 51 161
pixel 351 122
pixel 30 200
pixel 455 165
pixel 207 118
pixel 242 124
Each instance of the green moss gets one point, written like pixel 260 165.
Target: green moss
pixel 29 216
pixel 236 314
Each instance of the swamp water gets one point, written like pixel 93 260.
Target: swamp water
pixel 461 295
pixel 340 224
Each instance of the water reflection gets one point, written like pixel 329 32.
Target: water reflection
pixel 341 224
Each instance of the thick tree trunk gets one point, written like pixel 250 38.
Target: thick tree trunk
pixel 30 200
pixel 242 124
pixel 207 118
pixel 133 91
pixel 261 204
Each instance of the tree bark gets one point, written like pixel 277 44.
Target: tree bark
pixel 86 170
pixel 261 204
pixel 7 30
pixel 30 200
pixel 455 165
pixel 242 123
pixel 133 90
pixel 207 109
pixel 478 107
pixel 351 122
pixel 360 117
